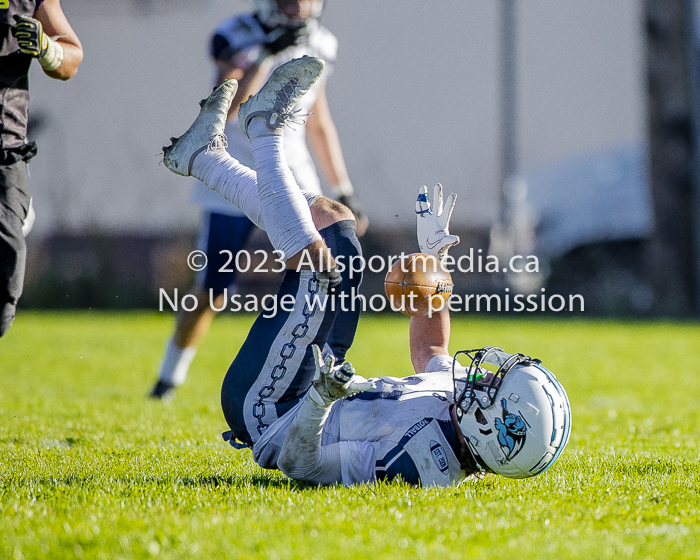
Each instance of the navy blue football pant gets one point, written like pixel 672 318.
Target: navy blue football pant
pixel 274 368
pixel 221 238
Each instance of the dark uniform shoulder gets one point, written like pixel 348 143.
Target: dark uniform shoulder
pixel 235 34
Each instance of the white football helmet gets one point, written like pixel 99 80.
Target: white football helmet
pixel 271 14
pixel 516 419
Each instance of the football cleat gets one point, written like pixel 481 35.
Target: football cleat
pixel 277 98
pixel 206 132
pixel 515 416
pixel 163 391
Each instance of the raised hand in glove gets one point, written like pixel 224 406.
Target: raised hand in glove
pixel 433 227
pixel 333 382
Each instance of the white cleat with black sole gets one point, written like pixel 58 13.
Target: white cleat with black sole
pixel 206 132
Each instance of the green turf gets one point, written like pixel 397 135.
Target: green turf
pixel 91 469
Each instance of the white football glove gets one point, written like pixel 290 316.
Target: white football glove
pixel 335 382
pixel 434 228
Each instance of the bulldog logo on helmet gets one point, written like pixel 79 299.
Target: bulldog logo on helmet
pixel 511 431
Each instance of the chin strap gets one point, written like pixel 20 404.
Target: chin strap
pixel 467 460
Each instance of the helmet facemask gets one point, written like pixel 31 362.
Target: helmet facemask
pixel 481 383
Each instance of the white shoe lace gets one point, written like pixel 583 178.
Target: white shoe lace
pixel 281 114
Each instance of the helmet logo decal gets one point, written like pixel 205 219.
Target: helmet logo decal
pixel 511 432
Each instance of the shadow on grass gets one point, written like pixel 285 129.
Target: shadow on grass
pixel 106 480
pixel 216 481
pixel 139 483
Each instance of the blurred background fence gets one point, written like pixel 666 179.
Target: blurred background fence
pixel 550 120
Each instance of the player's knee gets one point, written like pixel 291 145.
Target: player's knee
pixel 326 212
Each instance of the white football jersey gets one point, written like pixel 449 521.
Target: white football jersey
pixel 402 427
pixel 244 34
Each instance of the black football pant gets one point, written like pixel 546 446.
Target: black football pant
pixel 14 205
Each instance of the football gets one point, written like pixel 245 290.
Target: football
pixel 414 281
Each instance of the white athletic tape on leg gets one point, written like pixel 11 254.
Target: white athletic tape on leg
pixel 285 209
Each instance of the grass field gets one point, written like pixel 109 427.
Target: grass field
pixel 89 468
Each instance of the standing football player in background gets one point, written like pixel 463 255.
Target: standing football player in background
pixel 247 48
pixel 30 29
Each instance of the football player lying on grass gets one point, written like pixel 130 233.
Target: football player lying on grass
pixel 288 393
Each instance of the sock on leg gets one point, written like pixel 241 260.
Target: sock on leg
pixel 237 183
pixel 285 210
pixel 176 363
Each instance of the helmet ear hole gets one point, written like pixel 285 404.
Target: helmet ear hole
pixel 480 418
